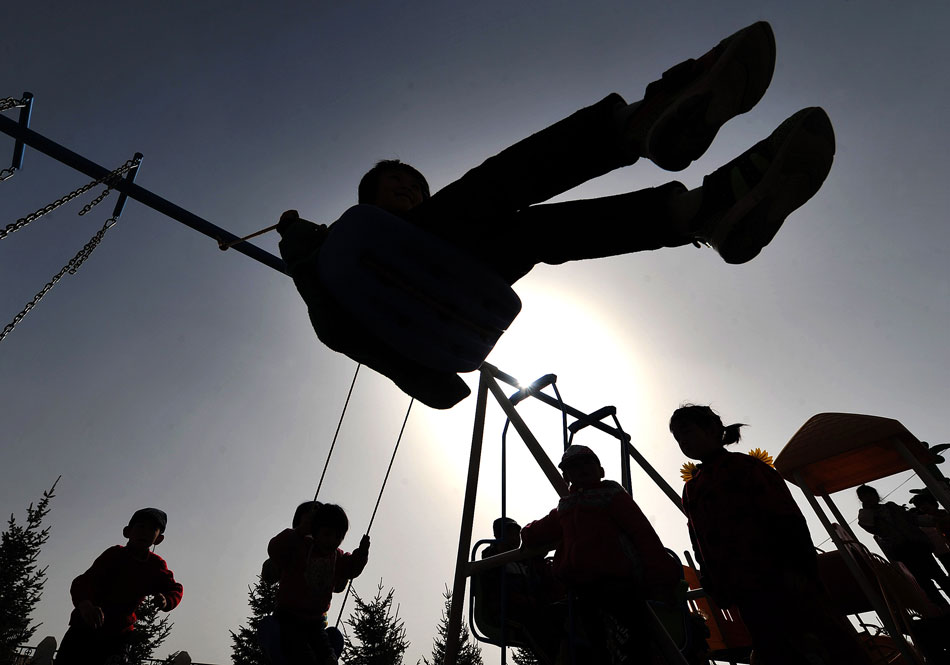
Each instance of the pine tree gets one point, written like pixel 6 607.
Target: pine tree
pixel 21 580
pixel 245 649
pixel 524 657
pixel 379 632
pixel 469 651
pixel 151 629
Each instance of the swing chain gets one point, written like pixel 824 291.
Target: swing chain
pixel 108 179
pixel 8 103
pixel 96 201
pixel 71 268
pixel 6 174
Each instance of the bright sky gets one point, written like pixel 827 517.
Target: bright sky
pixel 168 373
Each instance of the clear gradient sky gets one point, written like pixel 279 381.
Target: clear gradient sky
pixel 168 373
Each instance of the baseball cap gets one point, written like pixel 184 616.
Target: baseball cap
pixel 576 453
pixel 152 514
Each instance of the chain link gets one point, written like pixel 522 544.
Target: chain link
pixel 6 174
pixel 109 179
pixel 96 201
pixel 8 103
pixel 71 268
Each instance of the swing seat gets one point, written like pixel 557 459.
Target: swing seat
pixel 485 620
pixel 426 299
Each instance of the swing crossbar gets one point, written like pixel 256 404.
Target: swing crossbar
pixel 26 136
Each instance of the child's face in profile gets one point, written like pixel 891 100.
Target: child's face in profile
pixel 697 442
pixel 326 540
pixel 143 534
pixel 398 191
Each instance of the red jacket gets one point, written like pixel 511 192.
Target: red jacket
pixel 601 535
pixel 118 582
pixel 307 581
pixel 745 526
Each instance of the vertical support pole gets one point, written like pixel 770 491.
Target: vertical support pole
pixel 18 146
pixel 838 516
pixel 547 466
pixel 129 178
pixel 468 516
pixel 877 602
pixel 938 489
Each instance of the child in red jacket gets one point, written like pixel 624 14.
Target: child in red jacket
pixel 609 556
pixel 107 595
pixel 310 568
pixel 755 551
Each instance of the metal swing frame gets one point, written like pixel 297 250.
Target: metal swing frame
pixel 24 136
pixel 489 377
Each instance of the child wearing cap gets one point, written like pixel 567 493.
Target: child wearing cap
pixel 607 553
pixel 311 567
pixel 107 595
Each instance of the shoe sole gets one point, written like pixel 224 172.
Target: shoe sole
pixel 795 174
pixel 736 83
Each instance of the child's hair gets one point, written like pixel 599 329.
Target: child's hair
pixel 331 516
pixel 366 192
pixel 303 509
pixel 867 489
pixel 704 416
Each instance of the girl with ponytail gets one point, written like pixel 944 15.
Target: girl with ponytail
pixel 754 549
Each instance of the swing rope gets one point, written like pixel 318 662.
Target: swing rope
pixel 337 432
pixel 224 246
pixel 379 498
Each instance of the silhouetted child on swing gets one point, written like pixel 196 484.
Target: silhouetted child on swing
pixel 609 557
pixel 310 567
pixel 523 592
pixel 491 212
pixel 754 549
pixel 107 595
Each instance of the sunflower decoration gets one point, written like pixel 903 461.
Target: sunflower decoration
pixel 760 454
pixel 687 471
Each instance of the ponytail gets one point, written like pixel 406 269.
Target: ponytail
pixel 704 416
pixel 731 434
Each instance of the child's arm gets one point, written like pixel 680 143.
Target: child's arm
pixel 169 591
pixel 270 571
pixel 349 566
pixel 543 532
pixel 83 588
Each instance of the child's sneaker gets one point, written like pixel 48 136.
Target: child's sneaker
pixel 745 202
pixel 683 111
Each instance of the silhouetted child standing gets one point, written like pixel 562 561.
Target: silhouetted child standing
pixel 311 567
pixel 896 531
pixel 107 595
pixel 754 549
pixel 608 555
pixel 934 521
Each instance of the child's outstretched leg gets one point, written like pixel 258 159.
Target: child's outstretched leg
pixel 741 206
pixel 673 125
pixel 737 211
pixel 682 112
